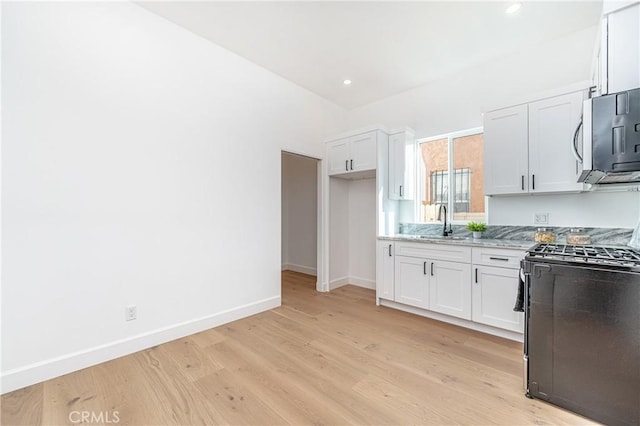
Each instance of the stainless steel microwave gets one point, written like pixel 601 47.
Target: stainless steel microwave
pixel 611 139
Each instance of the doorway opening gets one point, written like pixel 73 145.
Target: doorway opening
pixel 299 221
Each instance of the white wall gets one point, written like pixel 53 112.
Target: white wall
pixel 299 213
pixel 362 232
pixel 352 239
pixel 457 101
pixel 598 209
pixel 338 232
pixel 140 166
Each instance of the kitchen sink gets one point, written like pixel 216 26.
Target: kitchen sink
pixel 442 237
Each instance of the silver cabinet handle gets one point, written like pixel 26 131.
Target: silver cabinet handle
pixel 499 258
pixel 574 145
pixel 389 250
pixel 351 164
pixel 522 184
pixel 424 268
pixel 431 268
pixel 401 190
pixel 346 165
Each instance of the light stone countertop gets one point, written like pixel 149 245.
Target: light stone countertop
pixel 463 241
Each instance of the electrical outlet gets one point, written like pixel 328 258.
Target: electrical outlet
pixel 130 313
pixel 541 218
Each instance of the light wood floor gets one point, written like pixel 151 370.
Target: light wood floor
pixel 322 358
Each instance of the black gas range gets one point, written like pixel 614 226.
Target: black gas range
pixel 582 330
pixel 623 257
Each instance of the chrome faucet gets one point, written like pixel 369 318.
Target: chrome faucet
pixel 445 232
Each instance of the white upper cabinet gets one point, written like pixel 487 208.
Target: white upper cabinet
pixel 363 152
pixel 620 48
pixel 353 154
pixel 552 125
pixel 528 148
pixel 505 151
pixel 401 165
pixel 338 153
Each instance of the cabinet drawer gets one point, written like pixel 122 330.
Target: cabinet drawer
pixel 434 251
pixel 504 258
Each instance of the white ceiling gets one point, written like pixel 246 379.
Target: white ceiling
pixel 384 47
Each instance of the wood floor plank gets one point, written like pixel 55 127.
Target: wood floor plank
pixel 67 394
pixel 207 338
pixel 394 398
pixel 22 407
pixel 321 358
pixel 295 403
pixel 326 379
pixel 120 387
pixel 191 360
pixel 171 396
pixel 235 402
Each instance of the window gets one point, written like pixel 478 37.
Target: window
pixel 452 164
pixel 440 191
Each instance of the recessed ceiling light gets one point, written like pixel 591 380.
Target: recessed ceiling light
pixel 347 82
pixel 513 8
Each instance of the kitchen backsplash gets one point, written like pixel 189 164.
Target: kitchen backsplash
pixel 602 236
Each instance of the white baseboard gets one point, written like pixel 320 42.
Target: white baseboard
pixel 45 370
pixel 357 281
pixel 363 282
pixel 338 282
pixel 299 268
pixel 507 334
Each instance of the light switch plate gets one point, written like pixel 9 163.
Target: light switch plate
pixel 541 218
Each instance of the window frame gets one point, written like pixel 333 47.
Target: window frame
pixel 421 173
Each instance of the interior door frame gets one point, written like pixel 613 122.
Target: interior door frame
pixel 322 218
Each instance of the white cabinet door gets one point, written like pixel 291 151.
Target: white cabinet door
pixel 552 124
pixel 353 154
pixel 411 281
pixel 401 166
pixel 384 270
pixel 623 49
pixel 494 292
pixel 505 151
pixel 450 288
pixel 338 155
pixel 363 152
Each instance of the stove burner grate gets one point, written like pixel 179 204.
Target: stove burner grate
pixel 617 256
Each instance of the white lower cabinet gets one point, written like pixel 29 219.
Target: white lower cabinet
pixel 384 270
pixel 426 276
pixel 494 295
pixel 411 281
pixel 449 289
pixel 478 284
pixel 495 287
